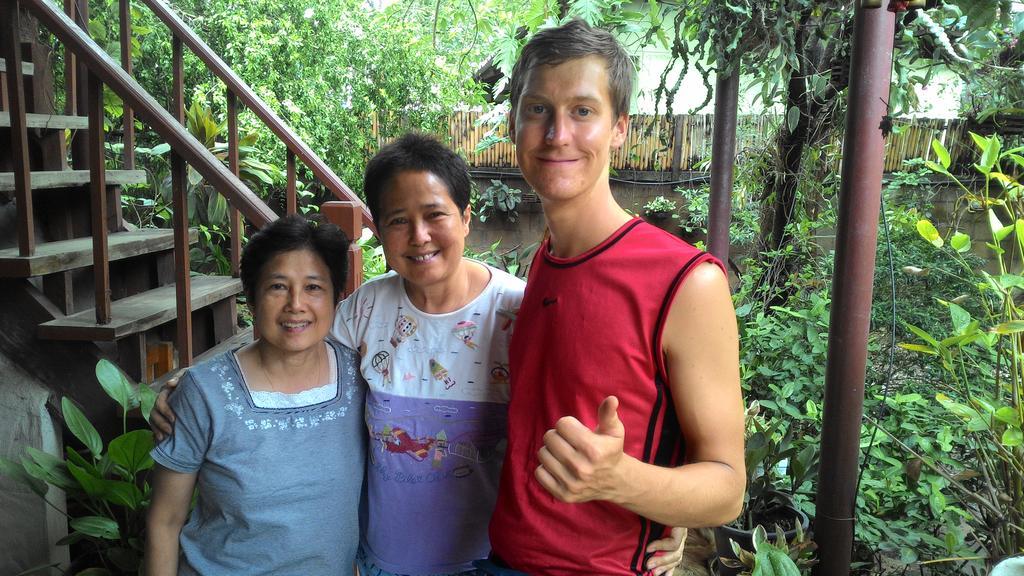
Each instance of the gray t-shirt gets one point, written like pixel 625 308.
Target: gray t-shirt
pixel 279 488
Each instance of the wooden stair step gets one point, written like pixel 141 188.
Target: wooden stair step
pixel 48 121
pixel 51 257
pixel 26 67
pixel 72 178
pixel 140 312
pixel 243 337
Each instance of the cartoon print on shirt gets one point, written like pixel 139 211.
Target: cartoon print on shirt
pixel 440 374
pixel 499 374
pixel 405 327
pixel 395 440
pixel 509 316
pixel 381 362
pixel 465 331
pixel 440 444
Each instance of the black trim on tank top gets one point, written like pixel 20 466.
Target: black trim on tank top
pixel 666 303
pixel 671 443
pixel 667 446
pixel 608 244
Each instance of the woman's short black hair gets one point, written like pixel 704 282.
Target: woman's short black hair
pixel 291 233
pixel 415 152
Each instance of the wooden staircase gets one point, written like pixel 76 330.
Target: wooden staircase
pixel 90 279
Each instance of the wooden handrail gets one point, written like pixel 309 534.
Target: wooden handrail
pixel 151 112
pixel 253 102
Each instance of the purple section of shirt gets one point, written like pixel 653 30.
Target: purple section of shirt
pixel 432 473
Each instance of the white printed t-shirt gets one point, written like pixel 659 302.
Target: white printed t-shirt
pixel 436 411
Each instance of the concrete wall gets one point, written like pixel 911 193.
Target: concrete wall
pixel 632 190
pixel 29 528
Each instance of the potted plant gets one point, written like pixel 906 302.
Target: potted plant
pixel 660 208
pixel 771 457
pixel 787 556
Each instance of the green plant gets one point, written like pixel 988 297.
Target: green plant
pixel 513 260
pixel 661 205
pixel 106 487
pixel 982 357
pixel 209 211
pixel 374 263
pixel 779 558
pixel 499 199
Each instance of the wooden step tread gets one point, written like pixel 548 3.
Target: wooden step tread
pixel 26 67
pixel 48 121
pixel 139 313
pixel 243 337
pixel 72 178
pixel 51 257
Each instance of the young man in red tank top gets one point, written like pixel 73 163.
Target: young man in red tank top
pixel 626 412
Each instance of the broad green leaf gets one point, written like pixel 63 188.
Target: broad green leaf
pixel 1008 415
pixel 927 231
pixel 919 348
pixel 131 451
pixel 1005 231
pixel 122 493
pixel 92 485
pixel 941 153
pixel 991 153
pixel 16 472
pixel 115 383
pixel 908 556
pixel 1013 437
pixel 1011 327
pixel 96 526
pixel 56 472
pixel 1007 281
pixel 960 242
pixel 935 167
pixel 937 502
pixel 147 399
pixel 81 428
pixel 792 118
pixel 961 318
pixel 923 335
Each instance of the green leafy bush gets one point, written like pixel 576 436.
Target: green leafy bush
pixel 105 487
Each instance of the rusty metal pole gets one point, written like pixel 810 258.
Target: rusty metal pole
pixel 723 160
pixel 859 198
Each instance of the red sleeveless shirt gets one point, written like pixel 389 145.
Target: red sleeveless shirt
pixel 590 327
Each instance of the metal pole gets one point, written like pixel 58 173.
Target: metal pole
pixel 859 197
pixel 723 159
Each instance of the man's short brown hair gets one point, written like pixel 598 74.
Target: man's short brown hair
pixel 572 40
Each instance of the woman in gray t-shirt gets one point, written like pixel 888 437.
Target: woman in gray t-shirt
pixel 271 434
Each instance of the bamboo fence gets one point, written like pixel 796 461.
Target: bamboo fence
pixel 659 143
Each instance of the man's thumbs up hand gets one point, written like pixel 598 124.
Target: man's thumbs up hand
pixel 580 465
pixel 608 423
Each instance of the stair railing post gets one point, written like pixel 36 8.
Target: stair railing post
pixel 292 204
pixel 80 146
pixel 128 118
pixel 98 189
pixel 70 70
pixel 349 217
pixel 10 37
pixel 179 181
pixel 233 164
